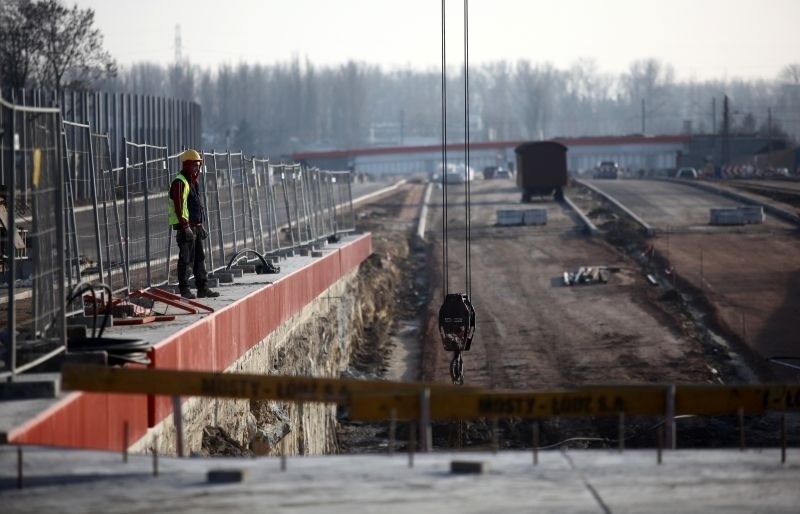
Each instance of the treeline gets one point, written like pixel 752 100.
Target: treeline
pixel 275 109
pixel 283 107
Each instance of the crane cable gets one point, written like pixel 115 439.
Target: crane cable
pixel 467 181
pixel 467 185
pixel 445 277
pixel 456 315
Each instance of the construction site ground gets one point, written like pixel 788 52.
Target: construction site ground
pixel 533 332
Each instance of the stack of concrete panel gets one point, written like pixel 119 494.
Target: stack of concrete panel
pixel 752 215
pixel 726 216
pixel 535 217
pixel 509 217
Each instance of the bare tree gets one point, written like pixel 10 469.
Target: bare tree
pixel 19 43
pixel 72 49
pixel 790 74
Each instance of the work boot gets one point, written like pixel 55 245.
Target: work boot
pixel 188 294
pixel 207 293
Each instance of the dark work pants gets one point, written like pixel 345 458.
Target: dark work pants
pixel 191 258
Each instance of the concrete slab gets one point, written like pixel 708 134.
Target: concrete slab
pixel 574 481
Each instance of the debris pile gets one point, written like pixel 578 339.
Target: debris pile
pixel 588 275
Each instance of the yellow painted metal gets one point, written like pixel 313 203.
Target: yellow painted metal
pixel 381 400
pixel 83 377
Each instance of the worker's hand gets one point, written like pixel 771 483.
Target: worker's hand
pixel 188 234
pixel 202 233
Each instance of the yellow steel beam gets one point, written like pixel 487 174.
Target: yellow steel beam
pixel 380 400
pixel 643 400
pixel 84 377
pixel 752 399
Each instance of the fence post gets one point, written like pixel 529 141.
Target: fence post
pixel 11 230
pixel 669 418
pixel 233 205
pixel 425 435
pixel 93 186
pixel 147 216
pixel 126 213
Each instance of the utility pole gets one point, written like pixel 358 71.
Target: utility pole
pixel 178 45
pixel 714 115
pixel 726 129
pixel 769 135
pixel 714 133
pixel 402 126
pixel 643 120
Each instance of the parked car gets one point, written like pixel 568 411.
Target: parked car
pixel 502 173
pixel 607 169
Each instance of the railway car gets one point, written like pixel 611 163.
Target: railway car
pixel 541 169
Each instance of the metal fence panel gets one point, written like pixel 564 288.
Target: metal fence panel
pixel 149 234
pixel 219 206
pixel 239 214
pixel 111 203
pixel 34 268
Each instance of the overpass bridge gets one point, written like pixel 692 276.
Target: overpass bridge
pixel 635 152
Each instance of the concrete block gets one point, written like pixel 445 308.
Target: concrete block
pixel 30 386
pixel 506 217
pixel 89 321
pixel 76 331
pixel 462 467
pixel 211 281
pixel 226 476
pixel 245 268
pixel 223 277
pixel 94 357
pixel 534 217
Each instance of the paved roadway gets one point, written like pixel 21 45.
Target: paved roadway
pixel 668 205
pixel 749 273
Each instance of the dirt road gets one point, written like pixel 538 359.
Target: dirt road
pixel 531 330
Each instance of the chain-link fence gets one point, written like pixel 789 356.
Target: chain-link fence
pixel 33 324
pixel 72 220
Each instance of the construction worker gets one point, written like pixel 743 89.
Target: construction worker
pixel 186 216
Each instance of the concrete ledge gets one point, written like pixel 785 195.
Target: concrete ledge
pixel 647 228
pixel 590 227
pixel 211 342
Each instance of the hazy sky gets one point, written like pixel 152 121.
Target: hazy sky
pixel 701 38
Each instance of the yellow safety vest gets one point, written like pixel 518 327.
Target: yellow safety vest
pixel 173 218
